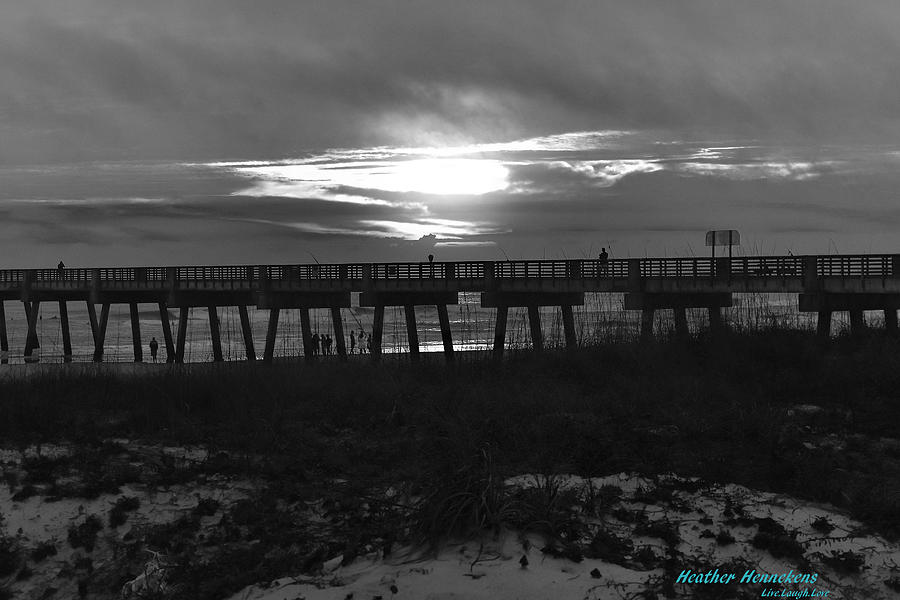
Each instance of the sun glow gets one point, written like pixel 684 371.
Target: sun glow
pixel 445 176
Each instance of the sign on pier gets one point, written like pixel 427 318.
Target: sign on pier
pixel 723 237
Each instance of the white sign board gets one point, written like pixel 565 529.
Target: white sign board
pixel 723 237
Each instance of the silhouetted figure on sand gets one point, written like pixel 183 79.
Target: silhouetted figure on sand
pixel 352 341
pixel 315 344
pixel 154 348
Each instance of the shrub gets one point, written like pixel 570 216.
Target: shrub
pixel 118 514
pixel 84 535
pixel 42 551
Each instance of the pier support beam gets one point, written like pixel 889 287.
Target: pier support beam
pixel 377 333
pixel 534 322
pixel 4 340
pixel 500 331
pixel 304 301
pixel 136 332
pixel 412 334
pixel 98 328
pixel 679 302
pixel 306 334
pixel 857 322
pixel 182 334
pixel 680 317
pixel 502 300
pixel 32 312
pixel 214 333
pixel 446 335
pixel 568 318
pixel 95 325
pixel 66 334
pixel 716 324
pixel 247 332
pixel 647 324
pixel 269 352
pixel 167 332
pixel 854 303
pixel 338 326
pixel 408 300
pixel 823 324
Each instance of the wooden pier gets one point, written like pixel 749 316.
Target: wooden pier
pixel 822 284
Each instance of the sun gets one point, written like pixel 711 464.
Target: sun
pixel 443 176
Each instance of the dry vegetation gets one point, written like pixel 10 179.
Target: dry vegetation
pixel 398 454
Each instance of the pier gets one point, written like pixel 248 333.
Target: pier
pixel 822 284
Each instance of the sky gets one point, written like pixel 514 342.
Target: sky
pixel 225 131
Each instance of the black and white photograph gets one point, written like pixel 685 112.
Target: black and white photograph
pixel 449 299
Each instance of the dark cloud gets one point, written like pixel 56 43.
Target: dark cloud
pixel 88 79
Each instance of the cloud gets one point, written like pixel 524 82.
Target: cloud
pixel 441 229
pixel 762 170
pixel 605 173
pixel 453 176
pixel 228 79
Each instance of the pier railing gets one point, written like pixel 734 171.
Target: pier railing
pixel 862 265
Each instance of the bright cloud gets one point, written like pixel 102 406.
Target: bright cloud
pixel 442 229
pixel 607 173
pixel 445 230
pixel 763 170
pixel 438 176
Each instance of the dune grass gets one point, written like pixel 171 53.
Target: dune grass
pixel 773 409
pixel 724 410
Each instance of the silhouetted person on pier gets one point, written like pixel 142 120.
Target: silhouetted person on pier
pixel 363 346
pixel 352 341
pixel 154 348
pixel 60 268
pixel 604 262
pixel 431 264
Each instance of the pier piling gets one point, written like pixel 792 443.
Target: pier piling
pixel 269 352
pixel 136 332
pixel 214 333
pixel 338 326
pixel 4 340
pixel 446 334
pixel 534 322
pixel 167 332
pixel 182 334
pixel 66 334
pixel 306 335
pixel 247 332
pixel 412 334
pixel 377 333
